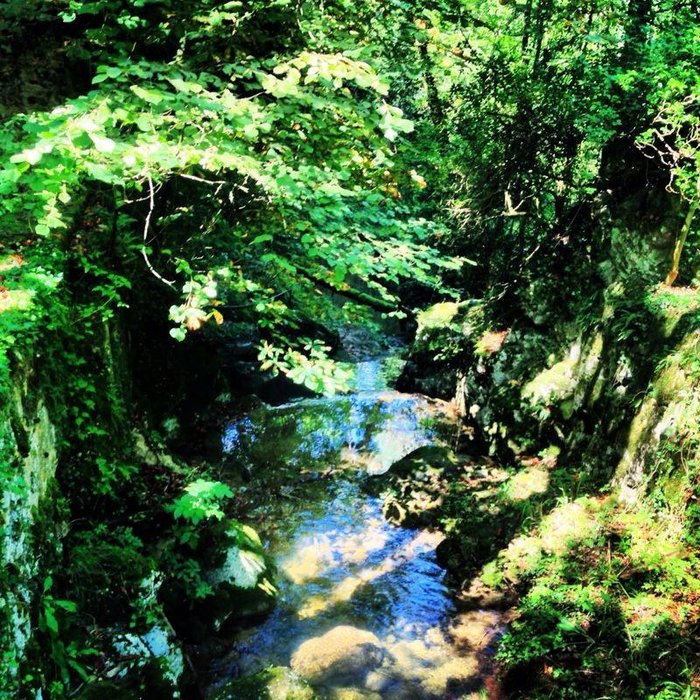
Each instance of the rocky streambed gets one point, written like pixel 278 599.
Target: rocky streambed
pixel 364 609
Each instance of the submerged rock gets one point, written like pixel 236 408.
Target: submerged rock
pixel 343 653
pixel 354 694
pixel 275 683
pixel 413 488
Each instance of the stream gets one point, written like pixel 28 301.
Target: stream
pixel 375 590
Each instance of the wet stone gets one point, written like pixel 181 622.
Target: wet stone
pixel 414 487
pixel 342 653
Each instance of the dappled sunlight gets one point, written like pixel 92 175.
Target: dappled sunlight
pixel 565 383
pixel 333 550
pixel 11 262
pixel 390 445
pixel 14 299
pixel 431 663
pixel 474 630
pixel 520 556
pixel 367 431
pixel 343 564
pixel 308 562
pixel 245 245
pixel 355 549
pixel 566 524
pixel 438 315
pixel 527 483
pixel 563 528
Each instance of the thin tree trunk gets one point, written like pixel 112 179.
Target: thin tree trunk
pixel 544 12
pixel 436 111
pixel 526 25
pixel 680 241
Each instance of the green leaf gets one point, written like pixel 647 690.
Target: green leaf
pixel 50 619
pixel 102 143
pixel 184 86
pixel 150 96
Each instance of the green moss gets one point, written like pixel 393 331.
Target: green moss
pixel 669 383
pixel 526 484
pixel 671 305
pixel 275 683
pixel 553 384
pixel 639 439
pixel 107 567
pixel 437 316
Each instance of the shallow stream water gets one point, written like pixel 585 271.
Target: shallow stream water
pixel 340 563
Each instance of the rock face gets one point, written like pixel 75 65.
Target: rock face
pixel 344 653
pixel 156 646
pixel 28 456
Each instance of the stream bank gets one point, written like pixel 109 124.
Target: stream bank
pixel 592 409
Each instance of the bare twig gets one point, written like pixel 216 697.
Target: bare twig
pixel 187 176
pixel 146 227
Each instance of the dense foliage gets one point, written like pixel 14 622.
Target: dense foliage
pixel 253 175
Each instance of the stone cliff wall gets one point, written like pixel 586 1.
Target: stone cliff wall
pixel 30 458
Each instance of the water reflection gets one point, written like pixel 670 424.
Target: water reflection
pixel 371 430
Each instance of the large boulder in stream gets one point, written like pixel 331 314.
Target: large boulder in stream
pixel 413 488
pixel 343 654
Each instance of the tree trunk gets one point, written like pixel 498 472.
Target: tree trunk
pixel 436 111
pixel 680 241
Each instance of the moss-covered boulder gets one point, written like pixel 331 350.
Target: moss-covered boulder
pixel 275 683
pixel 443 338
pixel 240 577
pixel 226 578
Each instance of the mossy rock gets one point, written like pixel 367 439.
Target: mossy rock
pixel 670 382
pixel 144 683
pixel 242 582
pixel 107 575
pixel 275 683
pixel 415 465
pixel 238 574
